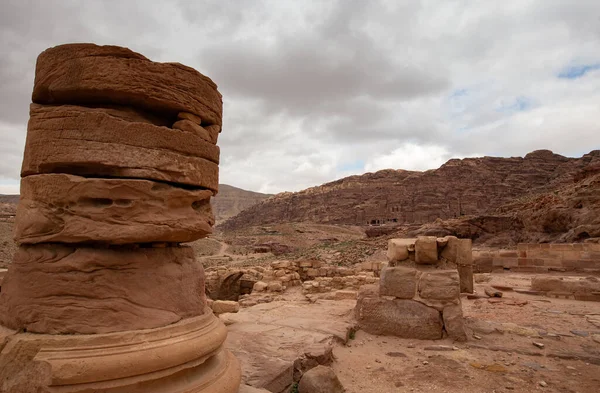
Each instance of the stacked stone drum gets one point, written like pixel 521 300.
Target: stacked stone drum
pixel 120 164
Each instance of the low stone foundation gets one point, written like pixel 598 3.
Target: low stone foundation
pixel 578 288
pixel 540 258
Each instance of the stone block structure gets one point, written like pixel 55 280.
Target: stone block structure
pixel 119 167
pixel 540 258
pixel 418 295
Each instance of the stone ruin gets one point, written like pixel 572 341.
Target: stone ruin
pixel 418 295
pixel 120 164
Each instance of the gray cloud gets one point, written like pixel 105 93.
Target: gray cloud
pixel 318 90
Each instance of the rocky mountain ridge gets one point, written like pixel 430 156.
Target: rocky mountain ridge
pixel 460 187
pixel 230 201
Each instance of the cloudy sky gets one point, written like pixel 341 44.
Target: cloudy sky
pixel 315 91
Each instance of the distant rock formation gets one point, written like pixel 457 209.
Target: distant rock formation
pixel 467 187
pixel 230 201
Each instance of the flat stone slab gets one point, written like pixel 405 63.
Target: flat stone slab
pixel 269 338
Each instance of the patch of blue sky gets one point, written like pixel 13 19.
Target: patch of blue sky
pixel 519 104
pixel 353 166
pixel 577 71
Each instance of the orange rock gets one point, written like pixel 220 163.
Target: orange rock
pixel 73 209
pixel 57 289
pixel 189 116
pixel 198 130
pixel 91 74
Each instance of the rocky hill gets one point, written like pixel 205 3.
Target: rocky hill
pixel 232 200
pixel 467 187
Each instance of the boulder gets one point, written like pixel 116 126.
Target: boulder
pixel 275 286
pixel 72 209
pixel 320 379
pixel 260 286
pixel 454 323
pixel 426 250
pixel 398 317
pixel 398 249
pixel 439 285
pixel 225 306
pixel 92 74
pixel 400 282
pixel 57 289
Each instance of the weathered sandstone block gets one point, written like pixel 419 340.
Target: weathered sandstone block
pixel 398 249
pixel 58 289
pixel 91 74
pixel 398 317
pixel 121 125
pixel 189 116
pixel 426 250
pixel 320 379
pixel 73 209
pixel 454 323
pixel 439 285
pixel 85 142
pixel 575 285
pixel 206 134
pixel 400 282
pixel 224 306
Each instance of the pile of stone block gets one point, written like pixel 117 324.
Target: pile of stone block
pixel 418 295
pixel 448 251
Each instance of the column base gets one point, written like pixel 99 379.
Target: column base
pixel 185 357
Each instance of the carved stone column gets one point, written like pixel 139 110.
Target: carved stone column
pixel 120 164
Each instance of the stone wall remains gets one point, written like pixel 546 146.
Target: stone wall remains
pixel 540 258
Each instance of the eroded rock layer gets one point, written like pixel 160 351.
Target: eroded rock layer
pixel 61 289
pixel 89 74
pixel 73 209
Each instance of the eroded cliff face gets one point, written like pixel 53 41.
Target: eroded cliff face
pixel 467 187
pixel 232 200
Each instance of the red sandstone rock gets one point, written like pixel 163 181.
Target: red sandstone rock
pixel 91 74
pixel 58 289
pixel 400 282
pixel 426 252
pixel 403 318
pixel 89 142
pixel 454 322
pixel 73 209
pixel 189 116
pixel 320 379
pixel 191 127
pixel 439 285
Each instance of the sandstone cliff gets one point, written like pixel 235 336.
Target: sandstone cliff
pixel 467 187
pixel 232 200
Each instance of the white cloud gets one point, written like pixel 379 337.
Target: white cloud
pixel 411 157
pixel 315 91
